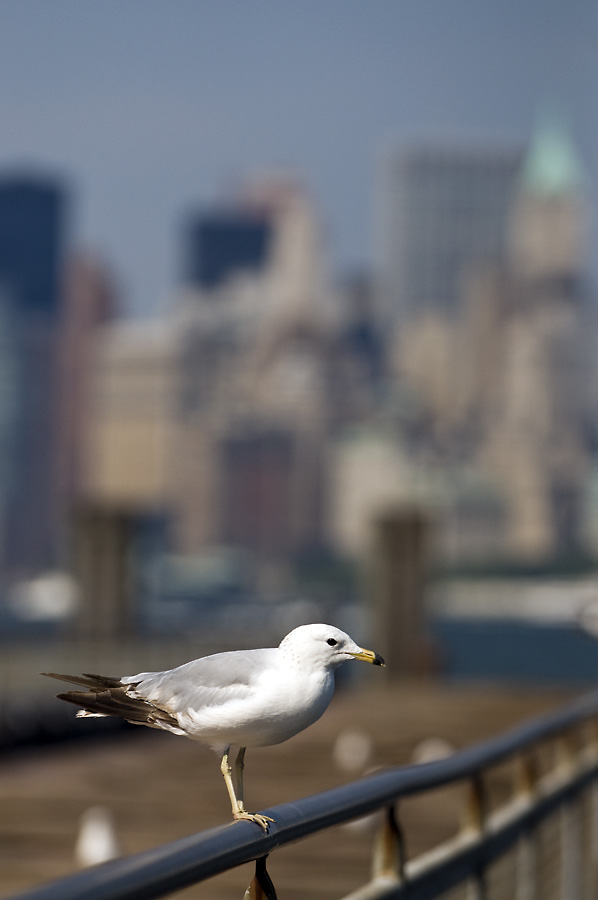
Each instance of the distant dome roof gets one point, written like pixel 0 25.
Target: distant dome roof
pixel 551 166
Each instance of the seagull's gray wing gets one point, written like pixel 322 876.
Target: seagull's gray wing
pixel 211 681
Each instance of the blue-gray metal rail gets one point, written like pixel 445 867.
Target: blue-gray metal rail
pixel 165 869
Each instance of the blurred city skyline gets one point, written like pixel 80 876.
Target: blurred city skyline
pixel 146 110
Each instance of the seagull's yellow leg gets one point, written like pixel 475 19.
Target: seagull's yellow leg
pixel 239 811
pixel 228 780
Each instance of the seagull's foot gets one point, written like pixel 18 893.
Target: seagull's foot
pixel 262 821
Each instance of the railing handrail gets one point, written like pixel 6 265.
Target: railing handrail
pixel 173 866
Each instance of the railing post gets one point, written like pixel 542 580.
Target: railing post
pixel 526 885
pixel 388 857
pixel 569 825
pixel 260 887
pixel 476 809
pixel 592 882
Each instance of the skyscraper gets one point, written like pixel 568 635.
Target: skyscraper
pixel 442 209
pixel 31 249
pixel 222 243
pixel 89 302
pixel 31 237
pixel 541 420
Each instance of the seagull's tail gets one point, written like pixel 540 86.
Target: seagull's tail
pixel 109 697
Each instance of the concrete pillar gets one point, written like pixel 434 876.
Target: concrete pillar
pixel 101 561
pixel 396 589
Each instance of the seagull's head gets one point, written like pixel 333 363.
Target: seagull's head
pixel 326 646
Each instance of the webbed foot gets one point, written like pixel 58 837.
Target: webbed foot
pixel 262 821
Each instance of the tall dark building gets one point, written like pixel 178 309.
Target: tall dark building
pixel 31 238
pixel 222 243
pixel 31 258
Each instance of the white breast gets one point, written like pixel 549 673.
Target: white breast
pixel 278 709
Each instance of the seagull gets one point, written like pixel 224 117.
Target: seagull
pixel 249 698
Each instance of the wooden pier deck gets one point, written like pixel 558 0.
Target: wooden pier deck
pixel 159 787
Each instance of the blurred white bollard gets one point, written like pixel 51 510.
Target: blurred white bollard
pixel 352 750
pixel 431 749
pixel 352 753
pixel 97 841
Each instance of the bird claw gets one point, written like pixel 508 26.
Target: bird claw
pixel 260 820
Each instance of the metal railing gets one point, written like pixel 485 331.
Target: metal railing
pixel 541 840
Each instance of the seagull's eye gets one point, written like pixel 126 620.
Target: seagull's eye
pixel 332 642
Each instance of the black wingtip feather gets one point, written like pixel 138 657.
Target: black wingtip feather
pixel 109 697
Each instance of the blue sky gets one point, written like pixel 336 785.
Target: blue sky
pixel 149 108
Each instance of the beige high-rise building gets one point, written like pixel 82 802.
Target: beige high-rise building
pixel 498 363
pixel 540 428
pixel 131 437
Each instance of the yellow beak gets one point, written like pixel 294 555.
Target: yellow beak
pixel 370 656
